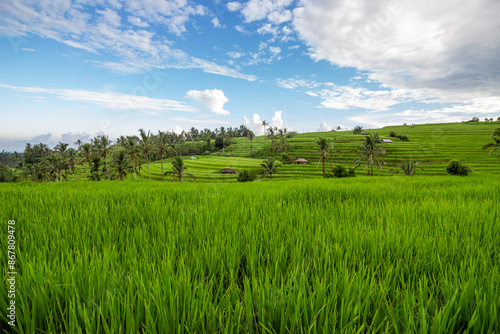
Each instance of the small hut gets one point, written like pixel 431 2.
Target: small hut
pixel 301 161
pixel 228 171
pixel 386 141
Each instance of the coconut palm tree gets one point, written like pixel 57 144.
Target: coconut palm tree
pixel 78 143
pixel 163 147
pixel 178 169
pixel 264 124
pixel 132 152
pixel 71 161
pixel 86 153
pixel 496 144
pixel 324 148
pixel 269 167
pixel 120 164
pixel 370 151
pixel 146 147
pixel 251 137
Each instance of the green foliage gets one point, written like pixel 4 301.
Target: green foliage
pixel 246 176
pixel 269 167
pixel 392 134
pixel 392 255
pixel 403 138
pixel 357 130
pixel 496 145
pixel 409 168
pixel 219 143
pixel 339 171
pixel 456 167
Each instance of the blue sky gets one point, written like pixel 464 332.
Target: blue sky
pixel 74 69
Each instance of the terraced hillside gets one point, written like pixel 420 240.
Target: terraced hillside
pixel 432 145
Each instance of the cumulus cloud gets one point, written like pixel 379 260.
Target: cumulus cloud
pixel 216 23
pixel 274 10
pixel 407 44
pixel 245 120
pixel 212 99
pixel 178 130
pixel 233 6
pixel 277 121
pixel 324 127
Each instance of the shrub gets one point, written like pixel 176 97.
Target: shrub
pixel 392 134
pixel 357 130
pixel 455 167
pixel 403 138
pixel 219 143
pixel 339 171
pixel 246 176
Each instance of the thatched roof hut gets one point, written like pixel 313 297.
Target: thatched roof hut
pixel 228 171
pixel 301 161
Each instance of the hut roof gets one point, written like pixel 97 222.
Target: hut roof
pixel 228 171
pixel 301 160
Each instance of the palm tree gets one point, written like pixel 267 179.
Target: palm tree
pixel 251 137
pixel 71 161
pixel 87 153
pixel 178 169
pixel 120 164
pixel 409 168
pixel 78 143
pixel 264 124
pixel 324 148
pixel 163 146
pixel 52 164
pixel 133 152
pixel 496 144
pixel 271 134
pixel 146 147
pixel 370 151
pixel 269 167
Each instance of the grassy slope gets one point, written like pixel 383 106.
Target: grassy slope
pixel 432 145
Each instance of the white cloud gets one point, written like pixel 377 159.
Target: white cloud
pixel 137 22
pixel 178 130
pixel 245 120
pixel 233 6
pixel 110 17
pixel 256 125
pixel 408 44
pixel 274 10
pixel 111 100
pixel 324 127
pixel 213 99
pixel 136 50
pixel 216 23
pixel 277 121
pixel 275 49
pixel 293 83
pixel 27 49
pixel 235 54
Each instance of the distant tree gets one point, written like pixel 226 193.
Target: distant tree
pixel 178 169
pixel 496 145
pixel 357 130
pixel 271 134
pixel 86 153
pixel 163 147
pixel 132 150
pixel 250 136
pixel 498 119
pixel 324 148
pixel 370 151
pixel 269 167
pixel 146 147
pixel 78 143
pixel 72 160
pixel 392 134
pixel 264 124
pixel 120 164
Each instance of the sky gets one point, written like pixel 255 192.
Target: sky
pixel 75 69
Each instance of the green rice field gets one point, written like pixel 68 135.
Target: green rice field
pixel 365 255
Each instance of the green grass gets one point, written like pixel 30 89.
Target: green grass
pixel 432 145
pixel 395 255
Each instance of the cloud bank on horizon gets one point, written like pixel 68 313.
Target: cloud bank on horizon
pixel 114 66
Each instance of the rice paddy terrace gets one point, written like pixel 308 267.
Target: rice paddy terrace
pixel 432 145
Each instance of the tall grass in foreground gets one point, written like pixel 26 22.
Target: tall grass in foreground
pixel 395 255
